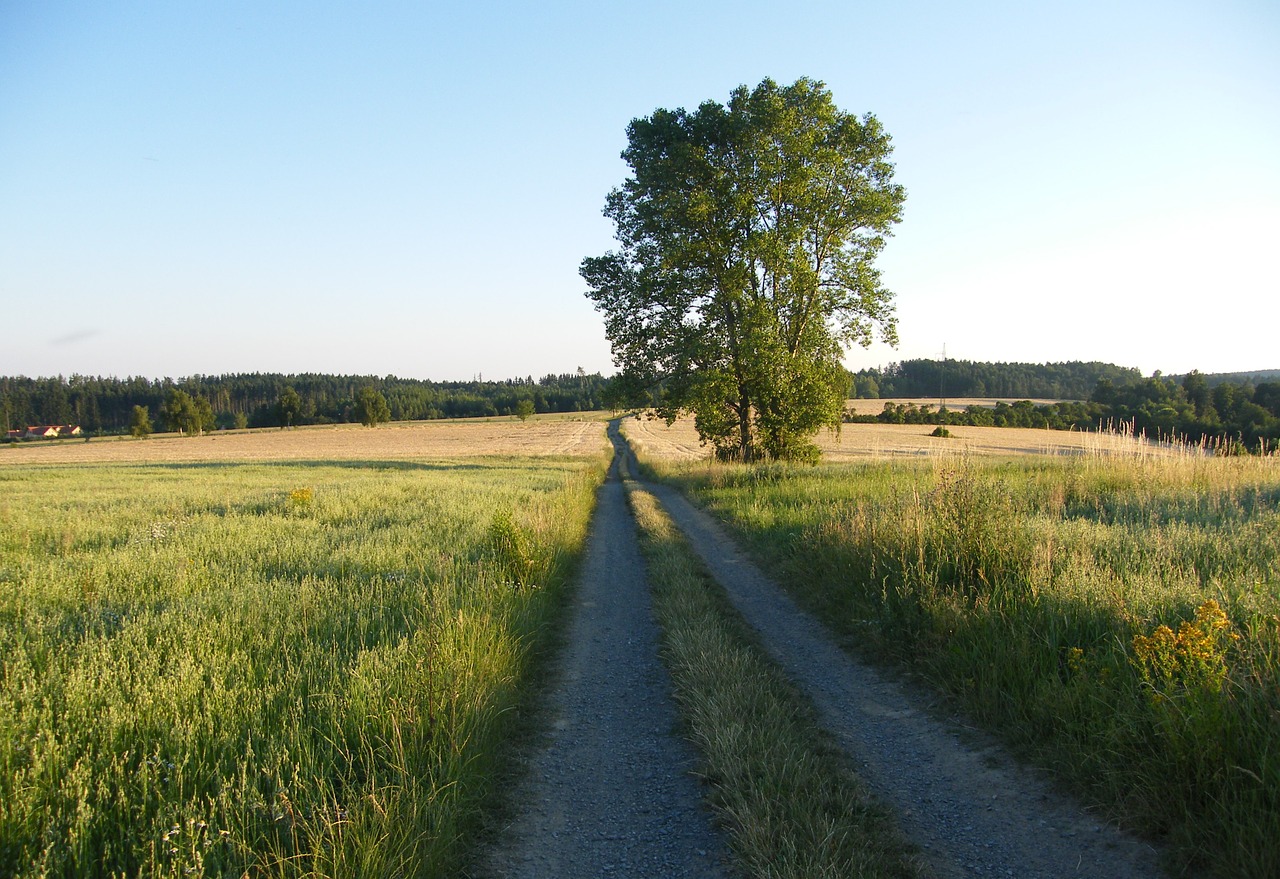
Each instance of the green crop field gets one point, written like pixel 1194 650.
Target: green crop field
pixel 269 669
pixel 1115 617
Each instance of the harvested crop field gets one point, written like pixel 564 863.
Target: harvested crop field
pixel 679 442
pixel 430 439
pixel 958 404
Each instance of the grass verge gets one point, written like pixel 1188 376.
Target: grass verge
pixel 790 802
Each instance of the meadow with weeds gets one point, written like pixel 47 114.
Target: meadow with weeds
pixel 1116 618
pixel 270 669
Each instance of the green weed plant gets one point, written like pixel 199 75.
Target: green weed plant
pixel 1117 619
pixel 208 671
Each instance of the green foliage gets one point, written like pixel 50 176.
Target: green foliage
pixel 1226 419
pixel 186 414
pixel 140 422
pixel 748 237
pixel 510 551
pixel 105 404
pixel 290 407
pixel 206 672
pixel 963 378
pixel 524 410
pixel 371 407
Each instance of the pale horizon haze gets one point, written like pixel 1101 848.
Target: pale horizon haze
pixel 409 188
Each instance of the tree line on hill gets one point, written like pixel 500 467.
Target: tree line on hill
pixel 1196 408
pixel 1239 411
pixel 964 378
pixel 108 405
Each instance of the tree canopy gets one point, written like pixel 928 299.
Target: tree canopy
pixel 748 233
pixel 290 407
pixel 140 422
pixel 105 404
pixel 187 414
pixel 964 378
pixel 371 407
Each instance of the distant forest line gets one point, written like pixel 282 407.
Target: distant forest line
pixel 1230 411
pixel 1015 381
pixel 1238 408
pixel 105 405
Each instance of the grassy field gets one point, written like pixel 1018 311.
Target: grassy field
pixel 272 668
pixel 1115 616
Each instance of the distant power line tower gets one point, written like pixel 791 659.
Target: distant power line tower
pixel 942 375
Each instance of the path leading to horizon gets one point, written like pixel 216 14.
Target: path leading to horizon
pixel 613 793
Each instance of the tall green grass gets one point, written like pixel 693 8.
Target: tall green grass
pixel 268 670
pixel 1117 619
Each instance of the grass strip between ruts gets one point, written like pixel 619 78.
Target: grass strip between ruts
pixel 788 798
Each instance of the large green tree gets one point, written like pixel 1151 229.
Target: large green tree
pixel 748 234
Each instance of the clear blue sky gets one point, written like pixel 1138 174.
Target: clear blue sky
pixel 409 188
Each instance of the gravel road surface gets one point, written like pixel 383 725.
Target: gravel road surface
pixel 612 792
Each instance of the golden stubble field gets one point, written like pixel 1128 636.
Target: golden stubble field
pixel 956 404
pixel 575 436
pixel 582 437
pixel 679 442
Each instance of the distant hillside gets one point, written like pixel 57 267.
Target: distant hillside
pixel 1240 378
pixel 963 378
pixel 1230 417
pixel 104 405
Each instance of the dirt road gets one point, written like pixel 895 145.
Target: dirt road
pixel 611 795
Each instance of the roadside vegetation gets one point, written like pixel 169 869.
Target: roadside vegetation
pixel 270 669
pixel 789 801
pixel 1115 618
